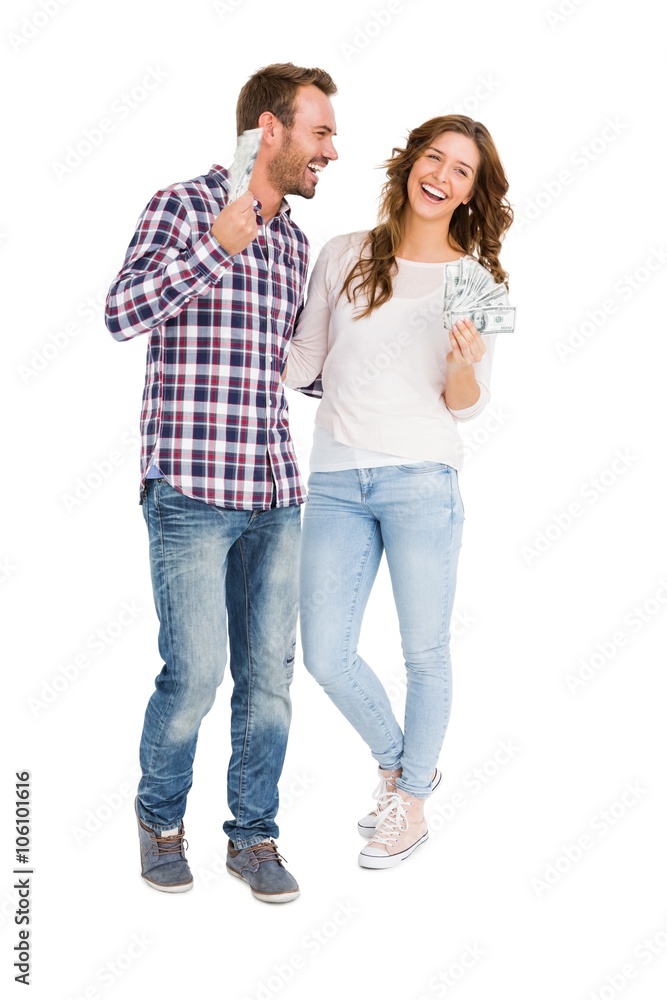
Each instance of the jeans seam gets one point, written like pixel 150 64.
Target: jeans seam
pixel 346 644
pixel 158 735
pixel 168 625
pixel 242 757
pixel 443 631
pixel 252 792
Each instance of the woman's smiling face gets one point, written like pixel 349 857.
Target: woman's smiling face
pixel 443 177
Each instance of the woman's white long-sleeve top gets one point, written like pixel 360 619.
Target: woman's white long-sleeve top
pixel 383 376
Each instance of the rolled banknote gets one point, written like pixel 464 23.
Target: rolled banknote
pixel 486 320
pixel 247 147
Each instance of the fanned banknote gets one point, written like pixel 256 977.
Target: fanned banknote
pixel 247 148
pixel 471 293
pixel 486 320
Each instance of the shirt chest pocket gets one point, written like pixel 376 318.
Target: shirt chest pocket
pixel 287 280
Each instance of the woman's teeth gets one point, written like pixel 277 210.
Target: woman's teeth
pixel 433 192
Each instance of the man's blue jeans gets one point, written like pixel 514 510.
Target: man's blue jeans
pixel 209 565
pixel 414 514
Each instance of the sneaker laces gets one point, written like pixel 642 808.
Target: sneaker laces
pixel 271 852
pixel 382 795
pixel 392 820
pixel 170 845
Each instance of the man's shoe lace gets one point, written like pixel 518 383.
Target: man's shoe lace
pixel 170 845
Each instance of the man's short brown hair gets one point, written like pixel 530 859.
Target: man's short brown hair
pixel 274 88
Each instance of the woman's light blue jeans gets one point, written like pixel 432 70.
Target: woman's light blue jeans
pixel 414 514
pixel 216 573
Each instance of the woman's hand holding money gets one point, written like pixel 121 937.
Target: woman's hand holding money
pixel 236 226
pixel 468 346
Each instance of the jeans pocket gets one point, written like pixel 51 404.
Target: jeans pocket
pixel 455 484
pixel 419 468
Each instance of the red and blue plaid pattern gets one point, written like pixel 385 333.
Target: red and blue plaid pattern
pixel 214 416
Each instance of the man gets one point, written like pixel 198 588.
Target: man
pixel 217 287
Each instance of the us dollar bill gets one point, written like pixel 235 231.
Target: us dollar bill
pixel 486 320
pixel 247 148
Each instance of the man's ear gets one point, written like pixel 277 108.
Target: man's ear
pixel 271 127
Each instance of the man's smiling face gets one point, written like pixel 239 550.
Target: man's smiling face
pixel 307 147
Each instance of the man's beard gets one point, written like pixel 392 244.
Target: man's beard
pixel 287 171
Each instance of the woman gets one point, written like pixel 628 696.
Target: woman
pixel 386 448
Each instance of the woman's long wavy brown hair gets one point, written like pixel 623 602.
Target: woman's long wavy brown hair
pixel 476 228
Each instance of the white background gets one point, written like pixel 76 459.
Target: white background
pixel 535 599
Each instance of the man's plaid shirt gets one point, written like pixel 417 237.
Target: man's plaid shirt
pixel 214 416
